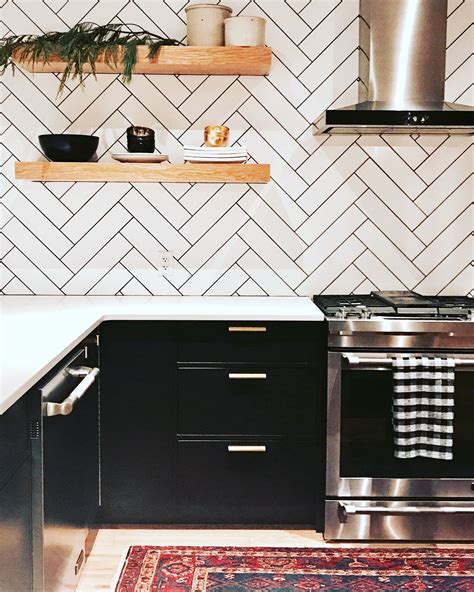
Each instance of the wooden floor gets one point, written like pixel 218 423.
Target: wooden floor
pixel 111 545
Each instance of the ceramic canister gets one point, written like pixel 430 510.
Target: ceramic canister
pixel 206 24
pixel 245 30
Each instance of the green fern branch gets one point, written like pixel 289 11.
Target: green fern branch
pixel 82 45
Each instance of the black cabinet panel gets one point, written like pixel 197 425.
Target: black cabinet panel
pixel 229 342
pixel 13 438
pixel 138 422
pixel 278 486
pixel 276 401
pixel 169 411
pixel 15 532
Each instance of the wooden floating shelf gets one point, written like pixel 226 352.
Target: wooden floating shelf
pixel 226 61
pixel 143 173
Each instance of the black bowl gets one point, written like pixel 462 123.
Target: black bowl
pixel 69 147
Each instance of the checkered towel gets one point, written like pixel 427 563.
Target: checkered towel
pixel 423 407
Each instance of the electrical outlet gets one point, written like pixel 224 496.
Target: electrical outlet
pixel 165 262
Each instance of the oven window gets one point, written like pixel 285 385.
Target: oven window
pixel 367 448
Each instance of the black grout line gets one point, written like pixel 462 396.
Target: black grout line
pixel 160 212
pixel 270 268
pixel 453 41
pixel 458 67
pixel 444 170
pixel 440 204
pixel 354 173
pixel 37 238
pixel 313 60
pixel 111 269
pixel 249 277
pixel 36 267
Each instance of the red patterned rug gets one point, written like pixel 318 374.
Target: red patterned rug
pixel 240 569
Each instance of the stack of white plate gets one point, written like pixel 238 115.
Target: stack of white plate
pixel 206 154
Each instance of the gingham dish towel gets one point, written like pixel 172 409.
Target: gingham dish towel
pixel 423 407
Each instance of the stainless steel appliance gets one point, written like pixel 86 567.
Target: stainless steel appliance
pixel 401 74
pixel 370 494
pixel 65 469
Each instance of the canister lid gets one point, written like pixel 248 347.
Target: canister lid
pixel 208 5
pixel 246 18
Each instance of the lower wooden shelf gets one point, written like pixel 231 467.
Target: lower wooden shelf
pixel 143 173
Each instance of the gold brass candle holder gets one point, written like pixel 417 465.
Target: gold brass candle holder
pixel 216 136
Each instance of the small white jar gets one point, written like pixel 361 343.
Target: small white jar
pixel 206 24
pixel 245 31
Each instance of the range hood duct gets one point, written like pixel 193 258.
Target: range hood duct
pixel 405 44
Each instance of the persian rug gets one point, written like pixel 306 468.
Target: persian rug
pixel 239 569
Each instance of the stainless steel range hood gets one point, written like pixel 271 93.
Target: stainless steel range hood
pixel 405 44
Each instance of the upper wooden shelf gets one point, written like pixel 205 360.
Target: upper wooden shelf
pixel 246 61
pixel 143 173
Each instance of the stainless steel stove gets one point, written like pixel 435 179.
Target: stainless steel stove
pixel 370 494
pixel 409 305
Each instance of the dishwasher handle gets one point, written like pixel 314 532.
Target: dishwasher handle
pixel 65 408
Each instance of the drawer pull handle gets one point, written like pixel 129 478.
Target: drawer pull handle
pixel 247 376
pixel 246 448
pixel 247 329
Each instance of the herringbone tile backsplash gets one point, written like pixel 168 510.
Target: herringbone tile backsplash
pixel 341 214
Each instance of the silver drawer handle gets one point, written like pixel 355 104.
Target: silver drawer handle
pixel 247 329
pixel 246 448
pixel 355 509
pixel 247 376
pixel 66 407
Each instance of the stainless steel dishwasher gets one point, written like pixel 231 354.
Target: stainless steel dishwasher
pixel 65 469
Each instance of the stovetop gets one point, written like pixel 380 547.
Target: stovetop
pixel 396 305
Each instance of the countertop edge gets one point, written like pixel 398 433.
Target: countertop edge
pixel 34 378
pixel 37 376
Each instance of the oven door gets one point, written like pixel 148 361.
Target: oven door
pixel 360 453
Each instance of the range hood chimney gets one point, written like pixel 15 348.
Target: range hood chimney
pixel 406 47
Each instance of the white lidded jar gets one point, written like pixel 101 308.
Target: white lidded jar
pixel 245 30
pixel 206 24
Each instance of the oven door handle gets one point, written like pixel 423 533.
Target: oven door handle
pixel 354 360
pixel 356 509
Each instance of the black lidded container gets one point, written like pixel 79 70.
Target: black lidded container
pixel 140 139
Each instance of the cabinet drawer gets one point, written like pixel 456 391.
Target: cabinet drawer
pixel 247 342
pixel 243 400
pixel 276 485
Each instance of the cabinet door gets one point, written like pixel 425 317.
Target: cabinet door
pixel 138 422
pixel 15 532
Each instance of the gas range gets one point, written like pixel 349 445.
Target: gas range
pixel 396 305
pixel 371 494
pixel 398 319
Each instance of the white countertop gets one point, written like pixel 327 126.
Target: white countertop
pixel 36 332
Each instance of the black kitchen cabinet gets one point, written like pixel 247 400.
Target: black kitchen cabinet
pixel 138 422
pixel 251 423
pixel 178 397
pixel 15 499
pixel 15 531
